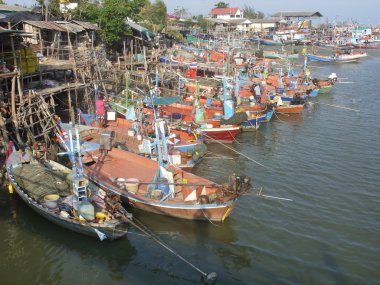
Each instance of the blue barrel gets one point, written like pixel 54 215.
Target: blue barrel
pixel 162 184
pixel 176 116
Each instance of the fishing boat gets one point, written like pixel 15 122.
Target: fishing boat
pixel 254 121
pixel 320 58
pixel 289 109
pixel 162 189
pixel 48 188
pixel 365 46
pixel 280 55
pixel 339 57
pixel 268 115
pixel 185 150
pixel 221 134
pixel 324 85
pixel 351 57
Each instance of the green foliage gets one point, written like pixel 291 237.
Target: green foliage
pixel 250 13
pixel 176 35
pixel 112 17
pixel 53 9
pixel 222 5
pixel 203 23
pixel 2 2
pixel 155 15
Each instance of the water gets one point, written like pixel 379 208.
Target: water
pixel 327 161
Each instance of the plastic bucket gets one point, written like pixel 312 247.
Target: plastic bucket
pixel 51 201
pixel 162 184
pixel 132 185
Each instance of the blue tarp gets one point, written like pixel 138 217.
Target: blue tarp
pixel 166 100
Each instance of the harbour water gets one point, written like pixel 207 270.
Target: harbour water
pixel 327 161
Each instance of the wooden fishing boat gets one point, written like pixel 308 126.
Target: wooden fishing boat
pixel 289 109
pixel 254 121
pixel 324 85
pixel 351 57
pixel 47 187
pixel 268 115
pixel 365 46
pixel 320 58
pixel 186 151
pixel 280 55
pixel 162 190
pixel 222 134
pixel 339 58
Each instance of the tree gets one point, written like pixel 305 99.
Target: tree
pixel 181 12
pixel 222 5
pixel 113 14
pixel 250 13
pixel 155 15
pixel 54 13
pixel 2 2
pixel 203 23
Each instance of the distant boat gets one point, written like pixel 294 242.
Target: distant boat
pixel 321 58
pixel 365 46
pixel 324 85
pixel 280 55
pixel 339 58
pixel 46 187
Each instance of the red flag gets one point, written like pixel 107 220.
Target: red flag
pixel 263 98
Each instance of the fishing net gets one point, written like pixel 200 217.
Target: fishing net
pixel 236 119
pixel 38 181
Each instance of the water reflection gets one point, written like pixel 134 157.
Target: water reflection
pixel 43 250
pixel 187 230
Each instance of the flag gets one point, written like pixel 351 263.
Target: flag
pixel 193 65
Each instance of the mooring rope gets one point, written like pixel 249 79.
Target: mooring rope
pixel 238 152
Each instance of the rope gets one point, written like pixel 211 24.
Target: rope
pixel 336 106
pixel 150 234
pixel 211 222
pixel 238 152
pixel 278 117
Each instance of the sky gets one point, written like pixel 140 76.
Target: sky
pixel 362 11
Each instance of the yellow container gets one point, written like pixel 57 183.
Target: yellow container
pixel 101 215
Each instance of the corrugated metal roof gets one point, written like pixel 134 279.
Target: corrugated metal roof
pixel 46 25
pixel 72 27
pixel 87 25
pixel 20 33
pixel 298 14
pixel 9 8
pixel 136 26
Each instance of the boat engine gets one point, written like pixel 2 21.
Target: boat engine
pixel 240 184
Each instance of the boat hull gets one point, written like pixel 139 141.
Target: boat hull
pixel 254 123
pixel 120 163
pixel 85 228
pixel 292 109
pixel 223 135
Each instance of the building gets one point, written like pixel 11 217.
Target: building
pixel 226 13
pixel 298 20
pixel 264 25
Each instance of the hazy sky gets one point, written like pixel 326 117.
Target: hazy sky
pixel 363 11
